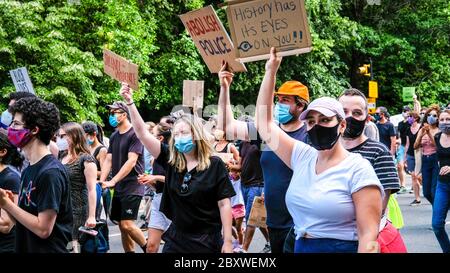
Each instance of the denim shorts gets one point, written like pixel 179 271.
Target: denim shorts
pixel 411 162
pixel 325 245
pixel 249 193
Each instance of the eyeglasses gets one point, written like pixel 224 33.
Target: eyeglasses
pixel 16 124
pixel 185 186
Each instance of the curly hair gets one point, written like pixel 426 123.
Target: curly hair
pixel 38 113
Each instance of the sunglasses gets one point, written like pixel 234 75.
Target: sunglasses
pixel 185 186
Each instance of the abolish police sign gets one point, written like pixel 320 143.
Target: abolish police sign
pixel 211 39
pixel 258 25
pixel 21 80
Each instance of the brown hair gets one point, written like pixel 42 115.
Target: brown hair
pixel 414 115
pixel 76 134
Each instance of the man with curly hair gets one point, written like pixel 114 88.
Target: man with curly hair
pixel 43 214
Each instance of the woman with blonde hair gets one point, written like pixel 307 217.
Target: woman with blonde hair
pixel 80 165
pixel 197 191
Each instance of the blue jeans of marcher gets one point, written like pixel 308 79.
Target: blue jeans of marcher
pixel 440 209
pixel 249 193
pixel 306 245
pixel 430 173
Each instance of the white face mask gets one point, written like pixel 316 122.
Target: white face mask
pixel 6 118
pixel 62 144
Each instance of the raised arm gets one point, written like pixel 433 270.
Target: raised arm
pixel 275 138
pixel 226 122
pixel 152 144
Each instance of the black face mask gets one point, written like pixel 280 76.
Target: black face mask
pixel 323 138
pixel 354 127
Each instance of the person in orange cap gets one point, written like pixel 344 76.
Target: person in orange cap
pixel 292 99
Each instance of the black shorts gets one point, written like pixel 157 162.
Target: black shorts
pixel 179 242
pixel 125 207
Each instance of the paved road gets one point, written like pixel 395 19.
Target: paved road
pixel 417 233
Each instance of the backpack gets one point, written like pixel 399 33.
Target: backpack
pixel 98 243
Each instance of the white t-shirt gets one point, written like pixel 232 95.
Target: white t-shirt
pixel 322 205
pixel 238 199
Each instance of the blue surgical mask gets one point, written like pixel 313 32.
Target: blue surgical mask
pixel 431 120
pixel 89 141
pixel 184 144
pixel 6 119
pixel 445 128
pixel 113 121
pixel 282 113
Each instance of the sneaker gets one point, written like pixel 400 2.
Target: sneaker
pixel 239 250
pixel 266 249
pixel 402 190
pixel 415 203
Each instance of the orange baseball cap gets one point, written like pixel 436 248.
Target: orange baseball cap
pixel 294 88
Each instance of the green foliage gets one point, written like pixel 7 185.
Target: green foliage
pixel 61 45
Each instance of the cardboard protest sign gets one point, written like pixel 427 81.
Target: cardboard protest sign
pixel 408 94
pixel 121 69
pixel 258 25
pixel 21 80
pixel 193 94
pixel 258 214
pixel 211 39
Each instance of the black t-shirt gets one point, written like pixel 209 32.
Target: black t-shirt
pixel 197 210
pixel 386 131
pixel 158 170
pixel 45 185
pixel 403 127
pixel 9 180
pixel 119 146
pixel 412 139
pixel 251 171
pixel 443 157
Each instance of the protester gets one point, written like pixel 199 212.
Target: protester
pixel 125 158
pixel 44 214
pixel 158 222
pixel 293 99
pixel 80 165
pixel 9 180
pixel 425 139
pixel 386 129
pixel 197 190
pixel 334 196
pixel 441 203
pixel 371 129
pixel 411 136
pixel 403 127
pixel 94 140
pixel 353 139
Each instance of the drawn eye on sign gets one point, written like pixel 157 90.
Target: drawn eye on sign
pixel 258 25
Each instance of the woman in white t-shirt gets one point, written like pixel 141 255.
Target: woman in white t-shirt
pixel 334 196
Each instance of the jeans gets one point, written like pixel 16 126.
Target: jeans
pixel 430 173
pixel 249 193
pixel 306 245
pixel 277 237
pixel 440 209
